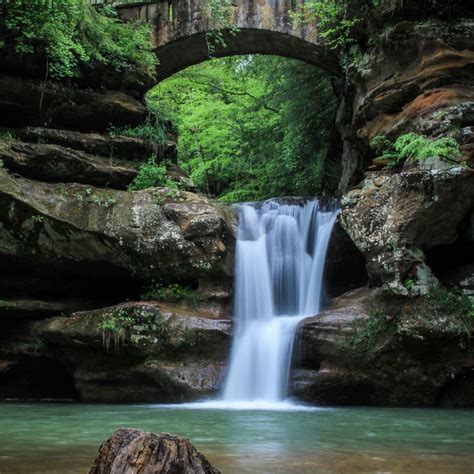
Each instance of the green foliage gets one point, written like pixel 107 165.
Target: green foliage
pixel 368 330
pixel 7 136
pixel 219 12
pixel 409 283
pixel 446 309
pixel 152 175
pixel 153 131
pixel 37 218
pixel 251 127
pixel 452 301
pixel 115 326
pixel 72 33
pixel 173 293
pixel 416 147
pixel 334 24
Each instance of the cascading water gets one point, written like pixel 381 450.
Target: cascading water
pixel 281 249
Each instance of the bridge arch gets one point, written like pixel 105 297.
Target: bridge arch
pixel 180 33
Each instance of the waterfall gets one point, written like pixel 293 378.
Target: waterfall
pixel 280 254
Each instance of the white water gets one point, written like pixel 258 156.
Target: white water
pixel 281 249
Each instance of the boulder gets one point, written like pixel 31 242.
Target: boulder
pixel 135 352
pixel 368 348
pixel 130 451
pixel 155 233
pixel 394 218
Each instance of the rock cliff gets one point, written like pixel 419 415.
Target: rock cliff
pixel 83 260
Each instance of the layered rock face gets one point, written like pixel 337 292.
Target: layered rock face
pixel 74 243
pixel 417 77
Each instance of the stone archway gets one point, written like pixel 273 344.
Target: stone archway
pixel 262 27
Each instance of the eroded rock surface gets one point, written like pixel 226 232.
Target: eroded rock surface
pixel 130 451
pixel 368 349
pixel 395 217
pixel 418 76
pixel 155 233
pixel 145 351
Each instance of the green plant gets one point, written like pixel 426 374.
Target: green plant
pixel 248 128
pixel 115 326
pixel 6 136
pixel 219 12
pixel 367 330
pixel 190 340
pixel 153 131
pixel 334 24
pixel 151 175
pixel 409 283
pixel 37 218
pixel 2 164
pixel 173 293
pixel 72 34
pixel 416 147
pixel 458 306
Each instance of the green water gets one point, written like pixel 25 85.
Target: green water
pixel 64 438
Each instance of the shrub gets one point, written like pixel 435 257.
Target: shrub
pixel 153 131
pixel 152 175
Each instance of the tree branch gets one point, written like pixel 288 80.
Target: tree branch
pixel 226 91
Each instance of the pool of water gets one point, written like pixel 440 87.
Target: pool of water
pixel 64 438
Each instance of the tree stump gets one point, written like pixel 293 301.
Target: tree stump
pixel 130 451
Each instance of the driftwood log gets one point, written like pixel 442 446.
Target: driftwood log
pixel 130 451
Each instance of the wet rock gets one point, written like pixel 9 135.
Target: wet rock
pixel 133 451
pixel 147 351
pixel 372 349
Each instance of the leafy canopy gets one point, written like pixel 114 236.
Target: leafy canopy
pixel 250 127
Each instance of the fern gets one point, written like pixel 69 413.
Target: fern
pixel 416 147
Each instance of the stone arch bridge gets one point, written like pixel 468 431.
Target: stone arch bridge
pixel 261 27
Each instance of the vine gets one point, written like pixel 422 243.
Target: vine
pixel 219 13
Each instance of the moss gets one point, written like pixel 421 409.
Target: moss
pixel 173 293
pixel 368 331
